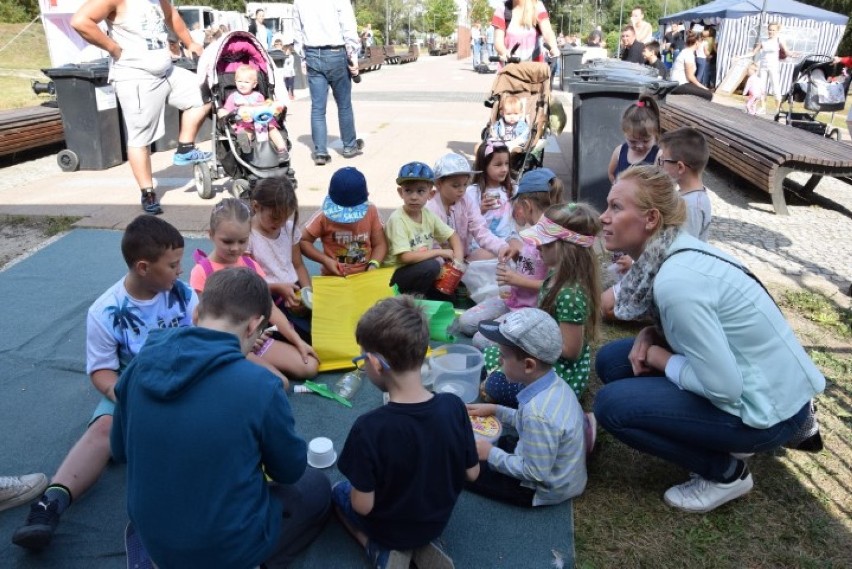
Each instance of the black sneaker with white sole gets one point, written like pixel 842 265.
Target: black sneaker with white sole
pixel 41 523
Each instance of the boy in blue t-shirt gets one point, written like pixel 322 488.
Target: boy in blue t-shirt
pixel 406 462
pixel 148 297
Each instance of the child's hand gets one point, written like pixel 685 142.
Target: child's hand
pixel 483 448
pixel 505 275
pixel 489 202
pixel 509 251
pixel 288 291
pixel 481 409
pixel 306 351
pixel 332 266
pixel 445 254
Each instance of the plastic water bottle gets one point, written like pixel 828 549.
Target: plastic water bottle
pixel 349 384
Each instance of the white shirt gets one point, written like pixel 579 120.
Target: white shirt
pixel 329 22
pixel 679 67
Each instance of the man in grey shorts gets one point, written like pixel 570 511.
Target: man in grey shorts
pixel 145 80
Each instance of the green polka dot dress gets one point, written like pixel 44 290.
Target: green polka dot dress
pixel 572 306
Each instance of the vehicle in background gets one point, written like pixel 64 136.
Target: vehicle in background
pixel 210 18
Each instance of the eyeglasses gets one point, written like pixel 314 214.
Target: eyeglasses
pixel 361 361
pixel 661 161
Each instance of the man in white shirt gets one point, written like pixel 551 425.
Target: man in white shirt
pixel 326 37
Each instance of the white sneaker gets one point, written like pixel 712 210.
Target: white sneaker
pixel 17 490
pixel 699 495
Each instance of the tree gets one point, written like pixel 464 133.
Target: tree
pixel 441 16
pixel 480 11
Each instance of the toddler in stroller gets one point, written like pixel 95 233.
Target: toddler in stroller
pixel 523 90
pixel 250 135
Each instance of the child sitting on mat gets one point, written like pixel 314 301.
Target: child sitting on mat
pixel 353 240
pixel 411 232
pixel 546 463
pixel 230 226
pixel 405 462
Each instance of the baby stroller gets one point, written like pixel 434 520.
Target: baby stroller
pixel 530 82
pixel 818 83
pixel 235 49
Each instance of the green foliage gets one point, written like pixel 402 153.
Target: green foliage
pixel 441 16
pixel 16 11
pixel 481 11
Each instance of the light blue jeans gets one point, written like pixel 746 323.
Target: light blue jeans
pixel 329 68
pixel 653 415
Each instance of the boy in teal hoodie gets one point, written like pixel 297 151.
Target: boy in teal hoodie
pixel 203 419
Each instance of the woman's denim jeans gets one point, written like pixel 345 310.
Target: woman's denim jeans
pixel 653 415
pixel 329 68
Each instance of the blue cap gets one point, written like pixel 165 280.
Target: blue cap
pixel 535 181
pixel 415 172
pixel 346 201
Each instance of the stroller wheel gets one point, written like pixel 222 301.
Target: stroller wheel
pixel 241 189
pixel 203 181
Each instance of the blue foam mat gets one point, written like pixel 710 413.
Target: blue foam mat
pixel 46 400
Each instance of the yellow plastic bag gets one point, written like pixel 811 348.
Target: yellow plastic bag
pixel 338 304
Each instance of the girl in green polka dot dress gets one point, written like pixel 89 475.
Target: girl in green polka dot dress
pixel 571 293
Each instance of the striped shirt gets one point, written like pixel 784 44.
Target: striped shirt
pixel 550 457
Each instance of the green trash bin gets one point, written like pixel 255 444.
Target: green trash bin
pixel 90 117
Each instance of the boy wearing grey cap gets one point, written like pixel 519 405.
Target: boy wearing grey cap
pixel 546 464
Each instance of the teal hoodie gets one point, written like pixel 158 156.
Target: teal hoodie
pixel 195 420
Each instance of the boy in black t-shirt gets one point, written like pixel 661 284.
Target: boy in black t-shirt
pixel 651 53
pixel 406 462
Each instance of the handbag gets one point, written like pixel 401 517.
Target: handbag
pixel 782 53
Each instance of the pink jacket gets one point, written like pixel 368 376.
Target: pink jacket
pixel 466 218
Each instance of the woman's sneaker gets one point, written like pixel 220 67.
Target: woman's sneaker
pixel 17 490
pixel 381 558
pixel 590 431
pixel 699 495
pixel 432 556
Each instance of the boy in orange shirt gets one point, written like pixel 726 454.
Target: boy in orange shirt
pixel 349 227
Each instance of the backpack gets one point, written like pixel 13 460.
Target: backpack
pixel 507 17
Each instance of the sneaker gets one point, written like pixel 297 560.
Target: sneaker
pixel 41 523
pixel 807 438
pixel 17 490
pixel 320 159
pixel 381 558
pixel 432 556
pixel 590 431
pixel 150 203
pixel 243 142
pixel 194 156
pixel 354 151
pixel 699 495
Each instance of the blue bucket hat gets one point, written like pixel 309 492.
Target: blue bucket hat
pixel 415 172
pixel 535 181
pixel 346 201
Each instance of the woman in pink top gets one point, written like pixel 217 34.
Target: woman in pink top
pixel 527 21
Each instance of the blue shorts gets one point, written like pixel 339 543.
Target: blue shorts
pixel 105 407
pixel 341 496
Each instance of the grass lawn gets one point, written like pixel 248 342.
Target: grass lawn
pixel 799 513
pixel 21 62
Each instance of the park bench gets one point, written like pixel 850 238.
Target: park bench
pixel 372 59
pixel 761 151
pixel 32 127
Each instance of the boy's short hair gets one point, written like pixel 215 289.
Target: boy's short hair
pixel 530 330
pixel 687 145
pixel 653 47
pixel 236 294
pixel 397 329
pixel 147 237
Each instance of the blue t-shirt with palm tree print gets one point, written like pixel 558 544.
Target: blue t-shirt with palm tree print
pixel 118 324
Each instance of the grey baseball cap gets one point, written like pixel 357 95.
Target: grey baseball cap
pixel 531 329
pixel 453 164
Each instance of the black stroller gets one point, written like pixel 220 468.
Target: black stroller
pixel 235 49
pixel 819 85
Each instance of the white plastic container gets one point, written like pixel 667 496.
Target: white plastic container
pixel 456 369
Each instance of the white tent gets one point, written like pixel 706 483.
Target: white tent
pixel 805 29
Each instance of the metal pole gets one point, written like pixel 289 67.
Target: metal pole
pixel 387 21
pixel 620 22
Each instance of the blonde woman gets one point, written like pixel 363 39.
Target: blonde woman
pixel 523 23
pixel 770 60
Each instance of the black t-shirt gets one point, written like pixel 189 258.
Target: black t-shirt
pixel 660 67
pixel 634 53
pixel 414 457
pixel 676 40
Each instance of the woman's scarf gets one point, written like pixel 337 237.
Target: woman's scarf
pixel 635 300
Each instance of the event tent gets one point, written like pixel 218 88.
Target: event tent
pixel 805 29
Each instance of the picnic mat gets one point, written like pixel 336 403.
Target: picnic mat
pixel 46 401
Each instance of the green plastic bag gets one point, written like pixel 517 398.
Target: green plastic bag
pixel 441 316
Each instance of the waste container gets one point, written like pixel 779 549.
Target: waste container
pixel 596 129
pixel 89 110
pixel 572 59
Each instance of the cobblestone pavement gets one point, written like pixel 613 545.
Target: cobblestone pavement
pixel 815 240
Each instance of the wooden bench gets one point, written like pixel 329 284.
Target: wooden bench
pixel 762 151
pixel 28 128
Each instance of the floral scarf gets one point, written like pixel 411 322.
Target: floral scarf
pixel 635 300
